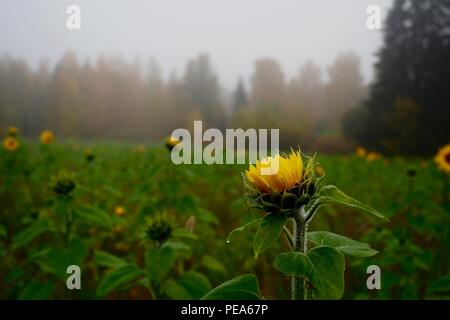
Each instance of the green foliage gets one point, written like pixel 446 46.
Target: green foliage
pixel 121 276
pixel 244 287
pixel 322 267
pixel 92 215
pixel 268 232
pixel 40 234
pixel 332 195
pixel 159 262
pixel 342 244
pixel 190 285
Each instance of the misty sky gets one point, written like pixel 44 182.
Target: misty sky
pixel 233 32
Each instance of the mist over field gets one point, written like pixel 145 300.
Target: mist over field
pixel 94 206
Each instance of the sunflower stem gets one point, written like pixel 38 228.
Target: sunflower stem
pixel 298 285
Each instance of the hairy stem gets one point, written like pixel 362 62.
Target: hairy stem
pixel 298 286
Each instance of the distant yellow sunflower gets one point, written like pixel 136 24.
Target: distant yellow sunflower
pixel 140 148
pixel 171 142
pixel 443 159
pixel 289 174
pixel 372 156
pixel 89 155
pixel 119 211
pixel 360 152
pixel 11 144
pixel 46 137
pixel 12 131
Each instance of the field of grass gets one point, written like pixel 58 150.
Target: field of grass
pixel 121 189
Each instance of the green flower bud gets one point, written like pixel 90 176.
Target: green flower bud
pixel 63 184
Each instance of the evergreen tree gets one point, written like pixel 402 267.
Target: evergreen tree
pixel 413 69
pixel 240 99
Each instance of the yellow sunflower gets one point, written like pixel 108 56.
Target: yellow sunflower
pixel 46 137
pixel 372 156
pixel 443 159
pixel 288 175
pixel 140 148
pixel 12 131
pixel 360 152
pixel 119 211
pixel 11 144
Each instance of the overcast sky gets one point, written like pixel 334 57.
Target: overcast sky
pixel 233 32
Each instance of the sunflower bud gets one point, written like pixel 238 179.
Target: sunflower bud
pixel 291 187
pixel 89 155
pixel 13 132
pixel 63 184
pixel 158 228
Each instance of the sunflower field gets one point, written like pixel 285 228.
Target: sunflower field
pixel 137 226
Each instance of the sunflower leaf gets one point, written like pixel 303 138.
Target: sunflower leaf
pixel 268 232
pixel 332 195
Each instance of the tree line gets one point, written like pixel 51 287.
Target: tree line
pixel 115 99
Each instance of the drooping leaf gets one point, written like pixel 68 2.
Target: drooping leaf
pixel 439 288
pixel 36 290
pixel 214 264
pixel 118 278
pixel 244 228
pixel 159 261
pixel 29 233
pixel 178 247
pixel 190 285
pixel 58 259
pixel 322 267
pixel 183 233
pixel 204 215
pixel 243 287
pixel 342 244
pixel 332 195
pixel 106 259
pixel 95 216
pixel 268 232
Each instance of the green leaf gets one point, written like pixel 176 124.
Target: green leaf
pixel 106 259
pixel 206 216
pixel 322 267
pixel 92 215
pixel 58 259
pixel 244 287
pixel 159 262
pixel 332 195
pixel 213 264
pixel 190 285
pixel 439 288
pixel 244 228
pixel 268 232
pixel 178 247
pixel 183 233
pixel 29 234
pixel 3 231
pixel 342 244
pixel 118 278
pixel 37 291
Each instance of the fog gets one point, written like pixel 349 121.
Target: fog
pixel 234 33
